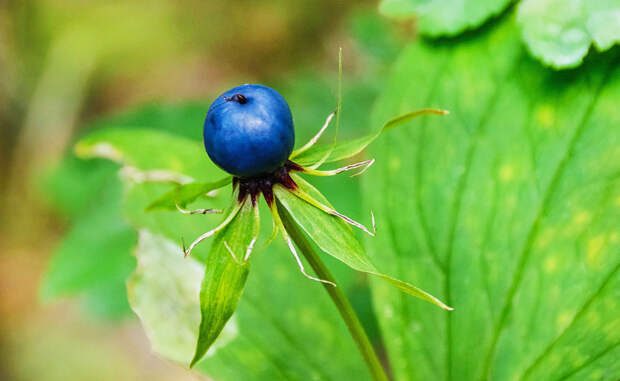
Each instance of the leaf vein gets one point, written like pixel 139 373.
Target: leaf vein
pixel 457 202
pixel 533 231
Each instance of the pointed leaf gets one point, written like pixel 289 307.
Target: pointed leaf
pixel 335 237
pixel 561 32
pixel 149 154
pixel 349 148
pixel 185 194
pixel 224 277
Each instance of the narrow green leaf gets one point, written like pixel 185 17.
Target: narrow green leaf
pixel 560 32
pixel 346 149
pixel 150 155
pixel 225 276
pixel 185 194
pixel 336 238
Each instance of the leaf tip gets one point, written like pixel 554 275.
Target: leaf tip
pixel 151 207
pixel 197 357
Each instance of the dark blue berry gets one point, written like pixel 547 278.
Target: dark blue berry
pixel 249 131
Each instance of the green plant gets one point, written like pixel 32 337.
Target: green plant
pixel 507 209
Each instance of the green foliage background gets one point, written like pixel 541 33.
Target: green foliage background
pixel 507 209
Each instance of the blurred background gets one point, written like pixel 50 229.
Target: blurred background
pixel 66 64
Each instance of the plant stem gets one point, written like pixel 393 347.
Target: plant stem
pixel 335 293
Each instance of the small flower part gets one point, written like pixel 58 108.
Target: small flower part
pixel 197 211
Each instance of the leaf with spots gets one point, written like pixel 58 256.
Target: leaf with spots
pixel 507 210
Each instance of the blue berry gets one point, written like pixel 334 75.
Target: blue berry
pixel 249 131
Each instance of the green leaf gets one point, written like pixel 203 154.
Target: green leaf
pixel 225 276
pixel 349 148
pixel 511 204
pixel 444 18
pixel 560 32
pixel 73 185
pixel 93 259
pixel 148 154
pixel 335 237
pixel 164 292
pixel 275 333
pixel 185 194
pixel 183 119
pixel 171 224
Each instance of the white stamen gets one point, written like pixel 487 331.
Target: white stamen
pixel 316 137
pixel 306 197
pixel 231 252
pixel 197 211
pixel 208 234
pixel 301 265
pixel 365 164
pixel 351 221
pixel 249 249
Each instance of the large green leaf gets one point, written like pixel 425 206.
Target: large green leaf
pixel 336 238
pixel 511 203
pixel 147 154
pixel 560 32
pixel 93 259
pixel 182 119
pixel 444 18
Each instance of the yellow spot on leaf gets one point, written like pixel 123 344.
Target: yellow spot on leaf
pixel 545 116
pixel 506 173
pixel 395 164
pixel 545 237
pixel 563 320
pixel 578 223
pixel 595 245
pixel 551 263
pixel 594 320
pixel 582 218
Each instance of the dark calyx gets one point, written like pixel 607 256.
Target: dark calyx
pixel 253 186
